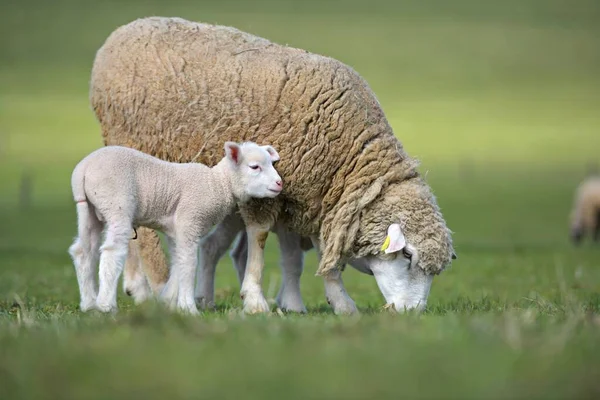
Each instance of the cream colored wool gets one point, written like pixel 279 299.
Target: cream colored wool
pixel 178 89
pixel 585 215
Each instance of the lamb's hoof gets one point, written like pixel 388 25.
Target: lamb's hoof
pixel 188 310
pixel 255 304
pixel 128 292
pixel 106 308
pixel 346 307
pixel 87 306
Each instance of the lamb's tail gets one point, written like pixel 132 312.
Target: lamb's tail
pixel 77 184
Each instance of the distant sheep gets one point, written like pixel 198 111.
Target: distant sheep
pixel 585 216
pixel 122 188
pixel 178 89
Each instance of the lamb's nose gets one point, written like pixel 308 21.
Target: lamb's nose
pixel 279 183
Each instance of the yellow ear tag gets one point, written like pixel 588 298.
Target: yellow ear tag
pixel 386 244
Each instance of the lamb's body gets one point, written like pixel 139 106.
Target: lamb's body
pixel 146 191
pixel 585 216
pixel 123 188
pixel 178 90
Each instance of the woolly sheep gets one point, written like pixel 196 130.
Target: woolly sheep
pixel 178 89
pixel 585 216
pixel 120 188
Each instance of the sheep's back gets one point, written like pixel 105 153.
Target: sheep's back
pixel 178 90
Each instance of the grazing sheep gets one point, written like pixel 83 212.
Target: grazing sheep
pixel 120 188
pixel 178 89
pixel 585 216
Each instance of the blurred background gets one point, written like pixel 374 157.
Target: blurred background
pixel 500 100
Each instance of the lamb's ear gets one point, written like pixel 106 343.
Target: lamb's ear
pixel 395 240
pixel 272 153
pixel 233 152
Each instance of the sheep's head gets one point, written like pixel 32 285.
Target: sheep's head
pixel 403 241
pixel 253 174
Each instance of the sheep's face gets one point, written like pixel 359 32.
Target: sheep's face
pixel 254 174
pixel 403 284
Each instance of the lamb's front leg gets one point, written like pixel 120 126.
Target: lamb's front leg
pixel 251 293
pixel 183 272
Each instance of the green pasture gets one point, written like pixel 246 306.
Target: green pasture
pixel 499 100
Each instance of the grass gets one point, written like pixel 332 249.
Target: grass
pixel 498 99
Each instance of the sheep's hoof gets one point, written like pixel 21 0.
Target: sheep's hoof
pixel 204 304
pixel 344 308
pixel 255 304
pixel 291 305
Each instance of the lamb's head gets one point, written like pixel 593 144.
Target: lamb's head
pixel 403 241
pixel 252 171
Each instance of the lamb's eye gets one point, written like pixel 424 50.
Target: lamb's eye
pixel 406 253
pixel 256 167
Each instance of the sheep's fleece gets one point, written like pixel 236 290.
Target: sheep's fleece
pixel 178 90
pixel 585 215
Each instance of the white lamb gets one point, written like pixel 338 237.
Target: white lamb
pixel 120 188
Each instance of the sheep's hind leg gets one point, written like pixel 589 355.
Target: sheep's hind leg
pixel 292 258
pixel 239 255
pixel 135 283
pixel 146 258
pixel 597 227
pixel 112 260
pixel 84 252
pixel 212 248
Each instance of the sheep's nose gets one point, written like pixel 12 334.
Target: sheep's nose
pixel 279 183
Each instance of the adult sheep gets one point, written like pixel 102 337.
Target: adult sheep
pixel 178 90
pixel 585 215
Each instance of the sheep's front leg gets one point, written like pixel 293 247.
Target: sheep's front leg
pixel 335 292
pixel 251 293
pixel 292 258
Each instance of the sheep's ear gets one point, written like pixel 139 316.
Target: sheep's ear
pixel 394 241
pixel 233 151
pixel 272 153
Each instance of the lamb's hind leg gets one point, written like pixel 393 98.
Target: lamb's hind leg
pixel 84 252
pixel 112 260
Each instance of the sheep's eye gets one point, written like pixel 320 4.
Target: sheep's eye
pixel 406 253
pixel 254 166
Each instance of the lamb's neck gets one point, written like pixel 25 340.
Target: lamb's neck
pixel 222 179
